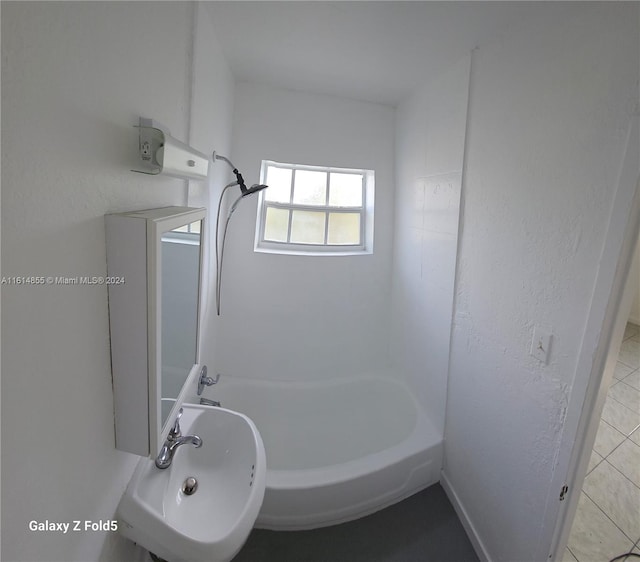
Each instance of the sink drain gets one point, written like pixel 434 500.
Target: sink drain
pixel 189 486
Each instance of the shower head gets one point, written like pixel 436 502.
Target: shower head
pixel 253 189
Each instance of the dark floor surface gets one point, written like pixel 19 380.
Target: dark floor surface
pixel 422 528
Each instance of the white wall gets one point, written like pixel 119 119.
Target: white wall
pixel 634 279
pixel 211 126
pixel 430 134
pixel 75 78
pixel 548 117
pixel 293 317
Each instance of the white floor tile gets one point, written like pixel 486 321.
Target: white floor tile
pixel 616 495
pixel 626 458
pixel 607 439
pixel 619 416
pixel 633 379
pixel 621 371
pixel 631 330
pixel 594 460
pixel 594 538
pixel 630 353
pixel 626 395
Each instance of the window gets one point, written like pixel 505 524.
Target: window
pixel 315 210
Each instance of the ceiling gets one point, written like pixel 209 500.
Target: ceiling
pixel 368 50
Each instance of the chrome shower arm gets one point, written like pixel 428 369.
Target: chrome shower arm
pixel 217 156
pixel 238 175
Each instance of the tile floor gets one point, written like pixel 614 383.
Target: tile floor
pixel 607 522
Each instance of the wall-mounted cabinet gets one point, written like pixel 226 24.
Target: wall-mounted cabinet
pixel 154 260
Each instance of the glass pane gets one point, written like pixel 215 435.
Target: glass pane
pixel 307 227
pixel 345 190
pixel 276 224
pixel 180 277
pixel 344 228
pixel 279 182
pixel 310 188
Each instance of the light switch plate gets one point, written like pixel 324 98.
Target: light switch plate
pixel 541 344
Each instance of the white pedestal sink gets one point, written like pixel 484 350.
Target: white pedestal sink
pixel 213 523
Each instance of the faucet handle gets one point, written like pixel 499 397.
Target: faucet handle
pixel 204 380
pixel 175 432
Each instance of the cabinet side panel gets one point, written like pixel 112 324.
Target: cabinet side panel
pixel 127 257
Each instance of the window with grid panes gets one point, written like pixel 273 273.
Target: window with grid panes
pixel 313 209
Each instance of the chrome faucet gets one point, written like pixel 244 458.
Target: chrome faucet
pixel 173 441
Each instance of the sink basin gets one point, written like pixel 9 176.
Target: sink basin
pixel 213 523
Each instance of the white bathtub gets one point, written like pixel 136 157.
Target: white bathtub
pixel 336 449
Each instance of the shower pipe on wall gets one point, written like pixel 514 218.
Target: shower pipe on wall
pixel 244 192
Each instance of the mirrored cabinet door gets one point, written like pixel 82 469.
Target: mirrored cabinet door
pixel 180 272
pixel 154 318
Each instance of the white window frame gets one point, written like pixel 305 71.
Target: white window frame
pixel 366 214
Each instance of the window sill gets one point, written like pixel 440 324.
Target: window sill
pixel 321 251
pixel 188 238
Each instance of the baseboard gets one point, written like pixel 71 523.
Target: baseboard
pixel 470 529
